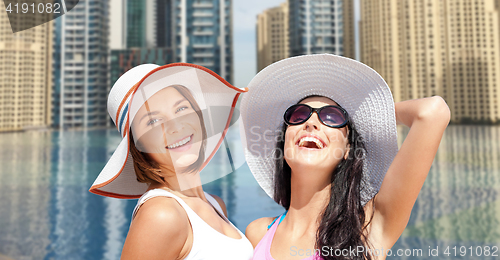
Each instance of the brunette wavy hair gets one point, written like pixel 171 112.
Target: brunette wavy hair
pixel 342 223
pixel 148 170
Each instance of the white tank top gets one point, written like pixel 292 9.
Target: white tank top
pixel 208 243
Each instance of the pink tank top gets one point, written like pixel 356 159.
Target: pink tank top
pixel 263 249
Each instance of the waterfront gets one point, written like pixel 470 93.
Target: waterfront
pixel 46 211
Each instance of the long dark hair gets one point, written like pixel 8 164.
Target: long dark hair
pixel 343 219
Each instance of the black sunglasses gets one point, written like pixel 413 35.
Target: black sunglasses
pixel 332 116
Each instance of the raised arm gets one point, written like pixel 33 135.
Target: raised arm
pixel 427 119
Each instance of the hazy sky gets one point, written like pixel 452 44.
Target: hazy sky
pixel 244 22
pixel 244 19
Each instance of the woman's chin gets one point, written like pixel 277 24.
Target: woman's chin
pixel 186 160
pixel 310 156
pixel 310 161
pixel 188 156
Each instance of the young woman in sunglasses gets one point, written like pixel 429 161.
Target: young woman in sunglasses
pixel 333 161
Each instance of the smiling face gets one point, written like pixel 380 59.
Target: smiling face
pixel 168 128
pixel 313 145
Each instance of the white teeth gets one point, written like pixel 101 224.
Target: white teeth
pixel 180 143
pixel 303 141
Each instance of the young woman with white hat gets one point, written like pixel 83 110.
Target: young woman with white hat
pixel 320 138
pixel 172 120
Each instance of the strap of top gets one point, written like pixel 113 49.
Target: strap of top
pixel 216 205
pixel 160 192
pixel 281 217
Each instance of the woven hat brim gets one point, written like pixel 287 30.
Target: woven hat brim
pixel 356 87
pixel 118 179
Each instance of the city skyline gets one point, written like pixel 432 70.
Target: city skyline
pixel 198 32
pixel 243 24
pixel 450 49
pixel 305 27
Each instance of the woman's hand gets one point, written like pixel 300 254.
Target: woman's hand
pixel 427 119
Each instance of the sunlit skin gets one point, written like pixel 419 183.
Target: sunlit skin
pixel 390 209
pixel 166 119
pixel 161 228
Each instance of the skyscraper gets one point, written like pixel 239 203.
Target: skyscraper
pixel 448 48
pixel 125 59
pixel 194 31
pixel 141 23
pixel 136 23
pixel 25 79
pixel 81 68
pixel 203 34
pixel 163 20
pixel 272 36
pixel 321 26
pixel 143 36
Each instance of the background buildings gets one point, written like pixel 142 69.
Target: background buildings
pixel 81 68
pixel 272 36
pixel 299 27
pixel 59 73
pixel 25 69
pixel 125 59
pixel 198 32
pixel 203 34
pixel 448 48
pixel 319 26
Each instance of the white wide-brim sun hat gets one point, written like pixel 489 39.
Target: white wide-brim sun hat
pixel 214 95
pixel 357 88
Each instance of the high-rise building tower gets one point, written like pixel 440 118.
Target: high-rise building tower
pixel 192 31
pixel 321 26
pixel 203 34
pixel 25 73
pixel 140 23
pixel 164 23
pixel 81 68
pixel 144 36
pixel 448 48
pixel 136 23
pixel 272 36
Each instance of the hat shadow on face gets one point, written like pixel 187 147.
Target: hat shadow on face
pixel 168 135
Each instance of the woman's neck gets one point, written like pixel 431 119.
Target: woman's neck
pixel 308 199
pixel 183 185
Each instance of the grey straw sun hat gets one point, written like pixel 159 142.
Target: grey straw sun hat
pixel 360 90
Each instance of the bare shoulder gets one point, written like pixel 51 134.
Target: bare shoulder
pixel 158 222
pixel 257 229
pixel 160 210
pixel 221 203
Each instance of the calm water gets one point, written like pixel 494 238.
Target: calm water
pixel 46 211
